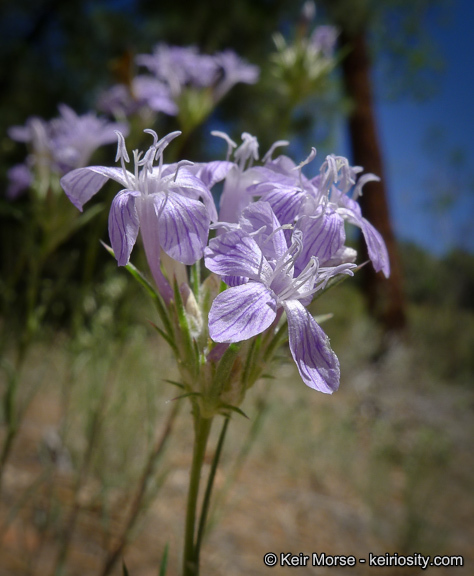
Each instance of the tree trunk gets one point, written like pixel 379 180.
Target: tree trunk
pixel 385 296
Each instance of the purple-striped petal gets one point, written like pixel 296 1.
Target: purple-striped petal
pixel 322 237
pixel 236 254
pixel 241 312
pixel 286 202
pixel 213 172
pixel 193 187
pixel 123 225
pixel 375 243
pixel 310 348
pixel 81 184
pixel 376 247
pixel 183 226
pixel 259 216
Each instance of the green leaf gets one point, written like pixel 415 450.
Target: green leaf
pixel 235 409
pixel 124 569
pixel 252 355
pixel 164 562
pixel 224 368
pixel 191 358
pixel 155 296
pixel 164 336
pixel 178 384
pixel 187 395
pixel 323 318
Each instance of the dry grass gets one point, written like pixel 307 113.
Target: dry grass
pixel 384 465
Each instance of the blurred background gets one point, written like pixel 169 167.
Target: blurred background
pixel 94 456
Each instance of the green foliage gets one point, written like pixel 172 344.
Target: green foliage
pixel 446 281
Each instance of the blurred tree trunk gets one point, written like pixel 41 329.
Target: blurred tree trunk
pixel 385 296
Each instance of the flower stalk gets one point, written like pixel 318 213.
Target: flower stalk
pixel 202 428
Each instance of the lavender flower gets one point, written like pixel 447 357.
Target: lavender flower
pixel 75 138
pixel 238 176
pixel 145 91
pixel 233 70
pixel 163 202
pixel 66 142
pixel 180 66
pixel 20 179
pixel 324 39
pixel 184 67
pixel 251 307
pixel 319 207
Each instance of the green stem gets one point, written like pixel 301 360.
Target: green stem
pixel 202 427
pixel 208 492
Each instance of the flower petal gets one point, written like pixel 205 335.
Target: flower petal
pixel 183 226
pixel 241 312
pixel 376 248
pixel 235 253
pixel 193 187
pixel 375 243
pixel 212 172
pixel 310 348
pixel 81 184
pixel 286 202
pixel 322 237
pixel 259 216
pixel 123 225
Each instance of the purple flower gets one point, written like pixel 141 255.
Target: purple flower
pixel 233 70
pixel 19 180
pixel 145 91
pixel 75 138
pixel 163 202
pixel 238 176
pixel 180 66
pixel 184 67
pixel 320 206
pixel 324 39
pixel 268 284
pixel 66 142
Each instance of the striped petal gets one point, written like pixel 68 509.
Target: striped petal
pixel 81 184
pixel 123 225
pixel 322 237
pixel 310 348
pixel 241 312
pixel 183 227
pixel 236 254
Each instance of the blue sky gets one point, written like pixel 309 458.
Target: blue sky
pixel 417 175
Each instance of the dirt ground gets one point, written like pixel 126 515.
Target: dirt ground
pixel 380 467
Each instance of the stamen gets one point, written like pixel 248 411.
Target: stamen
pixel 182 163
pixel 136 162
pixel 292 254
pixel 163 143
pixel 160 147
pixel 154 134
pixel 310 158
pixel 361 182
pixel 230 143
pixel 248 150
pixel 273 147
pixel 272 234
pixel 122 153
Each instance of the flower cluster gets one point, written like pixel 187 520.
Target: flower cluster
pixel 280 237
pixel 58 145
pixel 173 70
